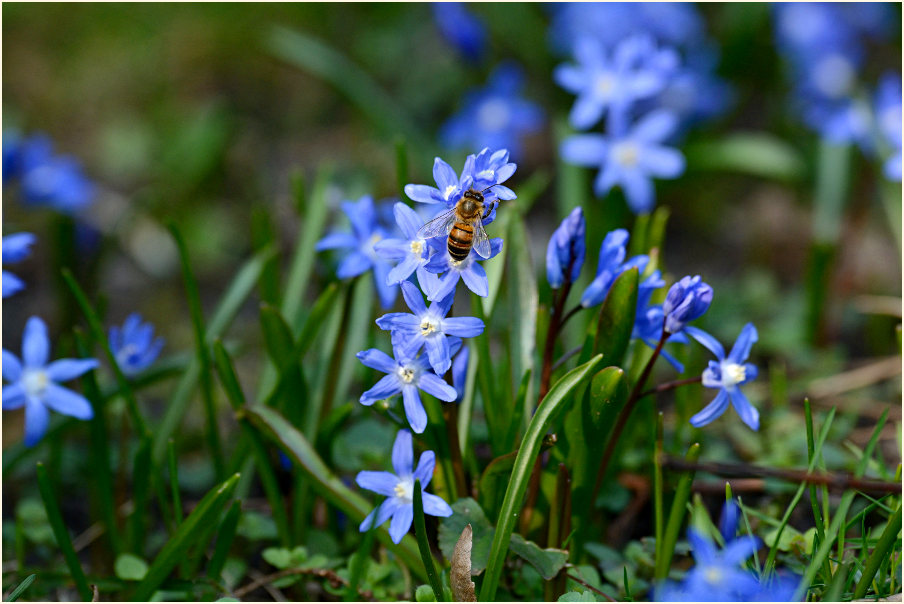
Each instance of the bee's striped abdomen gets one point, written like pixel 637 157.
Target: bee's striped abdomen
pixel 460 240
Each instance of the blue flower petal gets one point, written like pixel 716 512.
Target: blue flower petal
pixel 353 265
pixel 63 370
pixel 703 550
pixel 403 269
pixel 403 454
pixel 711 411
pixel 423 194
pixel 336 240
pixel 476 280
pixel 655 126
pixel 437 348
pixel 425 466
pixel 11 284
pixel 401 522
pixel 661 162
pixel 741 350
pixel 65 401
pixel 435 506
pixel 13 396
pixel 383 513
pixel 377 359
pixel 463 327
pixel 735 552
pixel 413 298
pixel 389 385
pixel 749 414
pixel 382 483
pixel 711 343
pixel 433 384
pixel 407 219
pixel 414 409
pixel 37 417
pixel 35 344
pixel 12 368
pixel 584 149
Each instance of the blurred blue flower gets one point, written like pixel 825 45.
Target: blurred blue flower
pixel 361 257
pixel 629 158
pixel 727 374
pixel 461 28
pixel 611 264
pixel 398 489
pixel 406 375
pixel 33 382
pixel 566 250
pixel 47 179
pixel 719 574
pixel 15 249
pixel 410 253
pixel 134 345
pixel 888 117
pixel 460 371
pixel 495 116
pixel 687 300
pixel 473 274
pixel 636 69
pixel 12 154
pixel 429 328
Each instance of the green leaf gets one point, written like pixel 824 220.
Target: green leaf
pixel 239 289
pixel 283 557
pixel 551 406
pixel 548 562
pixel 884 550
pixel 753 153
pixel 466 511
pixel 616 319
pixel 424 593
pixel 578 596
pixel 291 393
pixel 522 286
pixel 420 531
pixel 202 517
pixel 130 567
pixel 225 536
pixel 275 427
pixel 62 534
pixel 20 589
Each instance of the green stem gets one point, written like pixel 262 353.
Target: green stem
pixel 676 515
pixel 420 530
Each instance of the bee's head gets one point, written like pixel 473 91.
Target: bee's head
pixel 474 195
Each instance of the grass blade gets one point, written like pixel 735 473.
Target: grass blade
pixel 199 521
pixel 174 481
pixel 420 530
pixel 554 402
pixel 20 589
pixel 141 481
pixel 676 515
pixel 884 547
pixel 62 535
pixel 225 536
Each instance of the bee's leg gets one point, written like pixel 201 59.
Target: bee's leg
pixel 489 210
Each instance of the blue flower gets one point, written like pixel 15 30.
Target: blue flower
pixel 428 327
pixel 366 231
pixel 687 300
pixel 461 28
pixel 33 382
pixel 134 345
pixel 473 274
pixel 460 371
pixel 727 374
pixel 410 253
pixel 485 172
pixel 405 375
pixel 629 158
pixel 15 249
pixel 449 188
pixel 611 264
pixel 648 320
pixel 398 489
pixel 635 70
pixel 53 180
pixel 566 249
pixel 494 116
pixel 888 117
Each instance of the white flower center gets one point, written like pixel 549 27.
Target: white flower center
pixel 604 85
pixel 406 374
pixel 834 76
pixel 417 247
pixel 404 490
pixel 626 154
pixel 713 575
pixel 427 327
pixel 34 381
pixel 493 115
pixel 449 190
pixel 732 374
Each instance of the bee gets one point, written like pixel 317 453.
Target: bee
pixel 464 226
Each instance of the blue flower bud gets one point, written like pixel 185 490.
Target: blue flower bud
pixel 565 253
pixel 686 300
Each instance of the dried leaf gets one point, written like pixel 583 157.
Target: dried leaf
pixel 460 575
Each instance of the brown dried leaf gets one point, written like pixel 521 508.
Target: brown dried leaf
pixel 460 575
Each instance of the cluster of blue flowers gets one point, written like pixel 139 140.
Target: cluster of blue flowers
pixel 825 45
pixel 719 575
pixel 647 77
pixel 45 178
pixel 686 300
pixel 426 342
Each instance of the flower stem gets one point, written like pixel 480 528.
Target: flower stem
pixel 625 413
pixel 666 386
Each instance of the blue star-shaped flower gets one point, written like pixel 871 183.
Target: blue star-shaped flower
pixel 495 116
pixel 629 158
pixel 406 375
pixel 727 374
pixel 33 382
pixel 366 232
pixel 15 249
pixel 52 180
pixel 399 489
pixel 428 327
pixel 134 344
pixel 473 274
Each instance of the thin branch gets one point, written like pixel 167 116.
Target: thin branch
pixel 840 482
pixel 566 356
pixel 671 385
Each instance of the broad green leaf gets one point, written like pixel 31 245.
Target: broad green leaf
pixel 550 407
pixel 275 427
pixel 754 153
pixel 616 319
pixel 283 557
pixel 424 593
pixel 130 567
pixel 548 562
pixel 467 511
pixel 578 596
pixel 202 517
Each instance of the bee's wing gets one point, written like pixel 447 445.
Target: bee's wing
pixel 439 226
pixel 481 242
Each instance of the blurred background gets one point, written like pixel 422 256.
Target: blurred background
pixel 206 114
